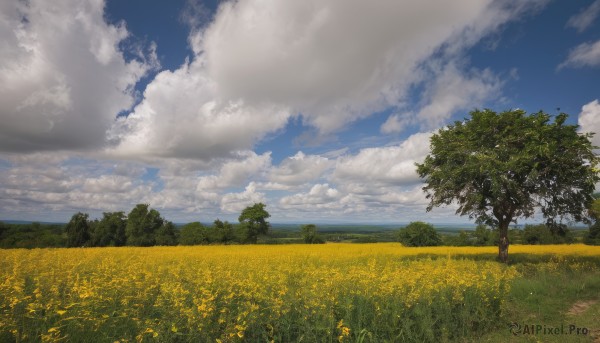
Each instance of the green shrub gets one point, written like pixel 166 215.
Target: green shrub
pixel 419 234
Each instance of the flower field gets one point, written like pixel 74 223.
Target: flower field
pixel 256 293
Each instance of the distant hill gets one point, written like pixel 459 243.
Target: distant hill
pixel 8 221
pixel 370 227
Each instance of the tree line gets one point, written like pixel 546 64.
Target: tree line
pixel 144 227
pixel 423 234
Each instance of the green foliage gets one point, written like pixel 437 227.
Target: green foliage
pixel 593 236
pixel 33 235
pixel 483 236
pixel 419 234
pixel 194 234
pixel 543 234
pixel 110 230
pixel 142 225
pixel 502 166
pixel 78 230
pixel 223 231
pixel 595 208
pixel 165 235
pixel 254 222
pixel 310 234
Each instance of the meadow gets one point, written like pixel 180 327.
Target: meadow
pixel 290 293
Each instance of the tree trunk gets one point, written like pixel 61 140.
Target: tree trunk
pixel 503 241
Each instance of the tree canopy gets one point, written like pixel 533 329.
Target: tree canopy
pixel 502 166
pixel 142 225
pixel 78 230
pixel 255 220
pixel 419 234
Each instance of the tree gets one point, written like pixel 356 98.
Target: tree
pixel 482 235
pixel 310 235
pixel 254 220
pixel 593 237
pixel 110 230
pixel 142 225
pixel 165 235
pixel 193 234
pixel 502 166
pixel 419 234
pixel 78 230
pixel 223 231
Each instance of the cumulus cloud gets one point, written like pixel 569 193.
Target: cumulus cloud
pixel 589 120
pixel 63 78
pixel 391 165
pixel 299 169
pixel 181 116
pixel 53 186
pixel 453 90
pixel 448 90
pixel 259 63
pixel 235 173
pixel 397 123
pixel 585 18
pixel 335 61
pixel 583 55
pixel 236 202
pixel 320 195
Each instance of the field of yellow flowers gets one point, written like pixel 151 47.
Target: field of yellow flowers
pixel 285 293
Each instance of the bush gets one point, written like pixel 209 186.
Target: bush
pixel 419 234
pixel 593 236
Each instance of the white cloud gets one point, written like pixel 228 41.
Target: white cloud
pixel 236 202
pixel 336 61
pixel 299 169
pixel 374 167
pixel 237 172
pixel 396 123
pixel 182 116
pixel 583 55
pixel 585 18
pixel 60 185
pixel 63 78
pixel 589 120
pixel 452 90
pixel 320 196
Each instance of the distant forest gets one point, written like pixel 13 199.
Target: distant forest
pixel 144 226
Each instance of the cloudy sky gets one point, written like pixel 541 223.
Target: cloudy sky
pixel 318 108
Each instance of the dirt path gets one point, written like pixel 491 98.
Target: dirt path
pixel 579 308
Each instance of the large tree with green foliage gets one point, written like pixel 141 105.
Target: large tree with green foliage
pixel 78 230
pixel 254 220
pixel 499 167
pixel 142 225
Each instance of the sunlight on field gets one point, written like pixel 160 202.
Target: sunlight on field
pixel 231 293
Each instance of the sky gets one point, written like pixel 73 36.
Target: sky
pixel 317 108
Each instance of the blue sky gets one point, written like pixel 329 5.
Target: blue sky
pixel 317 108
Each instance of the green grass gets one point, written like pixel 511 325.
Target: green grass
pixel 544 297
